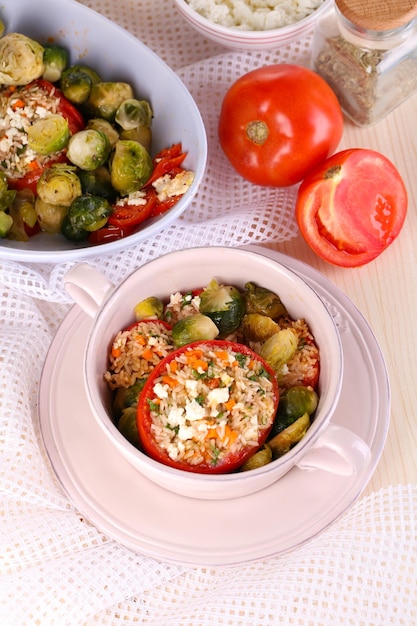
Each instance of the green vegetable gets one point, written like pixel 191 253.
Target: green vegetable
pixel 88 149
pixel 77 82
pixel 21 59
pixel 128 427
pixel 50 216
pixel 106 97
pixel 6 195
pixel 263 301
pixel 287 438
pixel 97 123
pixel 296 401
pixel 280 348
pixel 258 459
pixel 135 120
pixel 130 166
pixel 22 211
pixel 257 327
pixel 224 304
pixel 85 214
pixel 48 135
pixel 59 184
pixel 125 397
pixel 6 222
pixel 97 183
pixel 55 60
pixel 149 308
pixel 194 328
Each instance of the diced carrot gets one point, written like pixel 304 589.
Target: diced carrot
pixel 198 364
pixel 230 435
pixel 212 433
pixel 147 354
pixel 18 104
pixel 173 365
pixel 223 355
pixel 141 340
pixel 33 165
pixel 168 380
pixel 229 404
pixel 115 352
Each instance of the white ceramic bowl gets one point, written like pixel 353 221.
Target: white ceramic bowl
pixel 249 39
pixel 96 41
pixel 112 309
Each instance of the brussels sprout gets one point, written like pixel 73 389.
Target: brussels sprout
pixel 128 427
pixel 21 59
pixel 50 216
pixel 148 309
pixel 55 60
pixel 77 82
pixel 196 327
pixel 48 135
pixel 106 97
pixel 88 149
pixel 224 304
pixel 258 459
pixel 141 134
pixel 130 166
pixel 59 184
pixel 133 113
pixel 127 396
pixel 6 222
pixel 283 442
pixel 22 211
pixel 97 123
pixel 296 401
pixel 97 183
pixel 257 327
pixel 85 214
pixel 263 301
pixel 280 348
pixel 6 195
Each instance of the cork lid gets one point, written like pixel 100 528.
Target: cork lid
pixel 378 15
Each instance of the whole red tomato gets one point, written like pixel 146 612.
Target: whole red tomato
pixel 352 207
pixel 279 122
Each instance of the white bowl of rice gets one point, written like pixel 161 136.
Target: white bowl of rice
pixel 113 309
pixel 252 24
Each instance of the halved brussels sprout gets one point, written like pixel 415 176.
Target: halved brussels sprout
pixel 77 82
pixel 128 427
pixel 125 397
pixel 55 60
pixel 97 123
pixel 50 216
pixel 97 183
pixel 258 459
pixel 257 327
pixel 106 97
pixel 149 308
pixel 196 327
pixel 88 149
pixel 22 211
pixel 263 301
pixel 6 195
pixel 21 59
pixel 48 135
pixel 130 166
pixel 59 184
pixel 287 438
pixel 224 304
pixel 280 348
pixel 133 113
pixel 296 401
pixel 85 214
pixel 6 222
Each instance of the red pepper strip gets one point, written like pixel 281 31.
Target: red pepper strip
pixel 130 215
pixel 164 205
pixel 165 165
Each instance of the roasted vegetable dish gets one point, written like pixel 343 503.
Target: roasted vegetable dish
pixel 75 150
pixel 214 380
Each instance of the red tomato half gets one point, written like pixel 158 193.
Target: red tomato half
pixel 131 215
pixel 278 122
pixel 352 207
pixel 231 460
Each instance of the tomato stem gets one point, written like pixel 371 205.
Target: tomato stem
pixel 257 132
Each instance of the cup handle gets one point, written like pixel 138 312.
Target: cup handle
pixel 87 287
pixel 339 451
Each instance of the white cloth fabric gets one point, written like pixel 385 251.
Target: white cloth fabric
pixel 58 569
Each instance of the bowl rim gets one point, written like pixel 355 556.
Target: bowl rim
pixel 155 468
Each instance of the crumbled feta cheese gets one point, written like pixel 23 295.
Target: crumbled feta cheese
pixel 194 411
pixel 167 187
pixel 161 391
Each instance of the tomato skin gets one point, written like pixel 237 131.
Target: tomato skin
pixel 302 117
pixel 352 207
pixel 230 462
pixel 131 215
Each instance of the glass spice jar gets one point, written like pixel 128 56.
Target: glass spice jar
pixel 366 50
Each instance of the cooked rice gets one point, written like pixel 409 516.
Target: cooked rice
pixel 135 352
pixel 200 415
pixel 181 305
pixel 19 108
